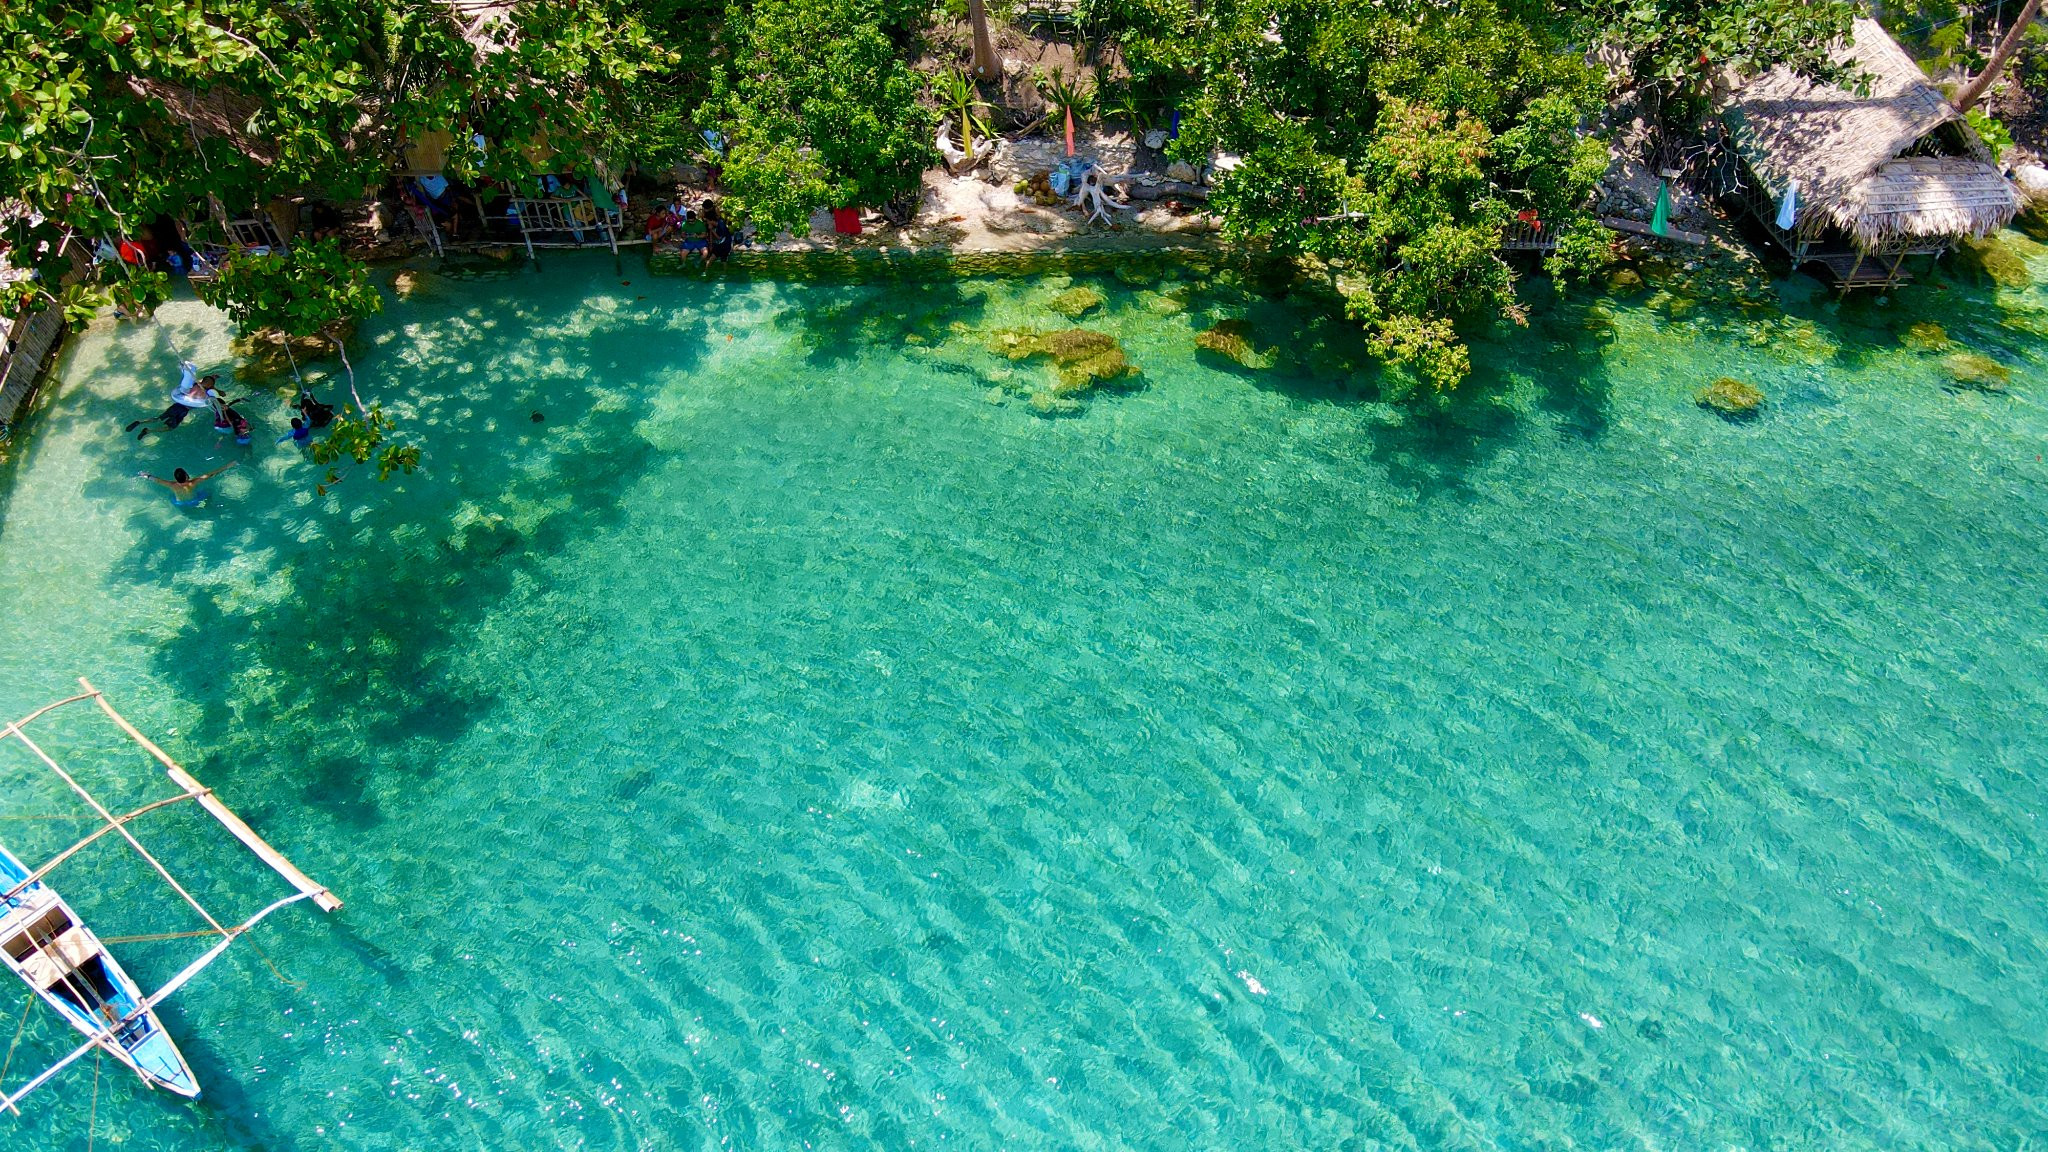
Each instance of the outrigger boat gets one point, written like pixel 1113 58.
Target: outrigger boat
pixel 47 945
pixel 43 940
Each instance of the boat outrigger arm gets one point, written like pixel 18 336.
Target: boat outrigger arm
pixel 69 968
pixel 104 1038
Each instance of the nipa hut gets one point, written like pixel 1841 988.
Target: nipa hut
pixel 1857 183
pixel 227 116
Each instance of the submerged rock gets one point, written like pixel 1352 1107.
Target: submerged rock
pixel 1974 370
pixel 1658 272
pixel 481 536
pixel 1074 302
pixel 1625 282
pixel 1232 340
pixel 1993 259
pixel 1135 274
pixel 2034 221
pixel 1082 357
pixel 264 356
pixel 1926 336
pixel 1053 404
pixel 1730 397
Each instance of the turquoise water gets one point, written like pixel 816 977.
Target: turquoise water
pixel 785 744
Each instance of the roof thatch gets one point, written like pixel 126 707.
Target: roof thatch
pixel 215 113
pixel 1846 150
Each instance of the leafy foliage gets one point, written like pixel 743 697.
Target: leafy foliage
pixel 1126 102
pixel 103 130
pixel 1676 50
pixel 1388 143
pixel 315 290
pixel 310 290
pixel 962 104
pixel 1994 133
pixel 820 107
pixel 1064 97
pixel 121 110
pixel 1391 145
pixel 361 438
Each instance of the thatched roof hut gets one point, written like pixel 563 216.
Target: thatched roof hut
pixel 1894 171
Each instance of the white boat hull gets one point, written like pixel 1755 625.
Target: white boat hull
pixel 43 941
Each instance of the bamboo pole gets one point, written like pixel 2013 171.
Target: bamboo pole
pixel 327 901
pixel 15 731
pixel 51 708
pixel 68 853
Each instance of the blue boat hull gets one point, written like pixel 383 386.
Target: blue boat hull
pixel 43 941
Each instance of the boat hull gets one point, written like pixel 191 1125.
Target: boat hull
pixel 43 941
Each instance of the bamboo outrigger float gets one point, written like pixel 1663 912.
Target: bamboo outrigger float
pixel 43 940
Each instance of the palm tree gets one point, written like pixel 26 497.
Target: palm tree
pixel 985 65
pixel 1974 90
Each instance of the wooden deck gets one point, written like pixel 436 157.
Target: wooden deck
pixel 1847 270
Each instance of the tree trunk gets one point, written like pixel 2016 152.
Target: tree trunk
pixel 985 65
pixel 2010 43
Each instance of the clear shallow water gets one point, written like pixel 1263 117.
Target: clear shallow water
pixel 781 746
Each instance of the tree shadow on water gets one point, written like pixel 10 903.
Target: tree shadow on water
pixel 838 321
pixel 1563 357
pixel 1555 368
pixel 335 657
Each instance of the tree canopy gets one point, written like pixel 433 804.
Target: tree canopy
pixel 1393 144
pixel 120 110
pixel 821 107
pixel 1396 144
pixel 1388 145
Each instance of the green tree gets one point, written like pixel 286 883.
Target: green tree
pixel 314 291
pixel 820 107
pixel 119 110
pixel 1676 51
pixel 1391 146
pixel 114 115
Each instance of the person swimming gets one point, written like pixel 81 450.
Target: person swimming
pixel 240 423
pixel 184 486
pixel 192 392
pixel 300 435
pixel 317 415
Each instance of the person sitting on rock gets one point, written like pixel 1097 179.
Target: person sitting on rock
pixel 661 225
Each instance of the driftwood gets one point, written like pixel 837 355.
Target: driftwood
pixel 1166 190
pixel 957 159
pixel 1638 228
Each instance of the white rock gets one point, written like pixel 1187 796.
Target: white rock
pixel 1181 170
pixel 2032 179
